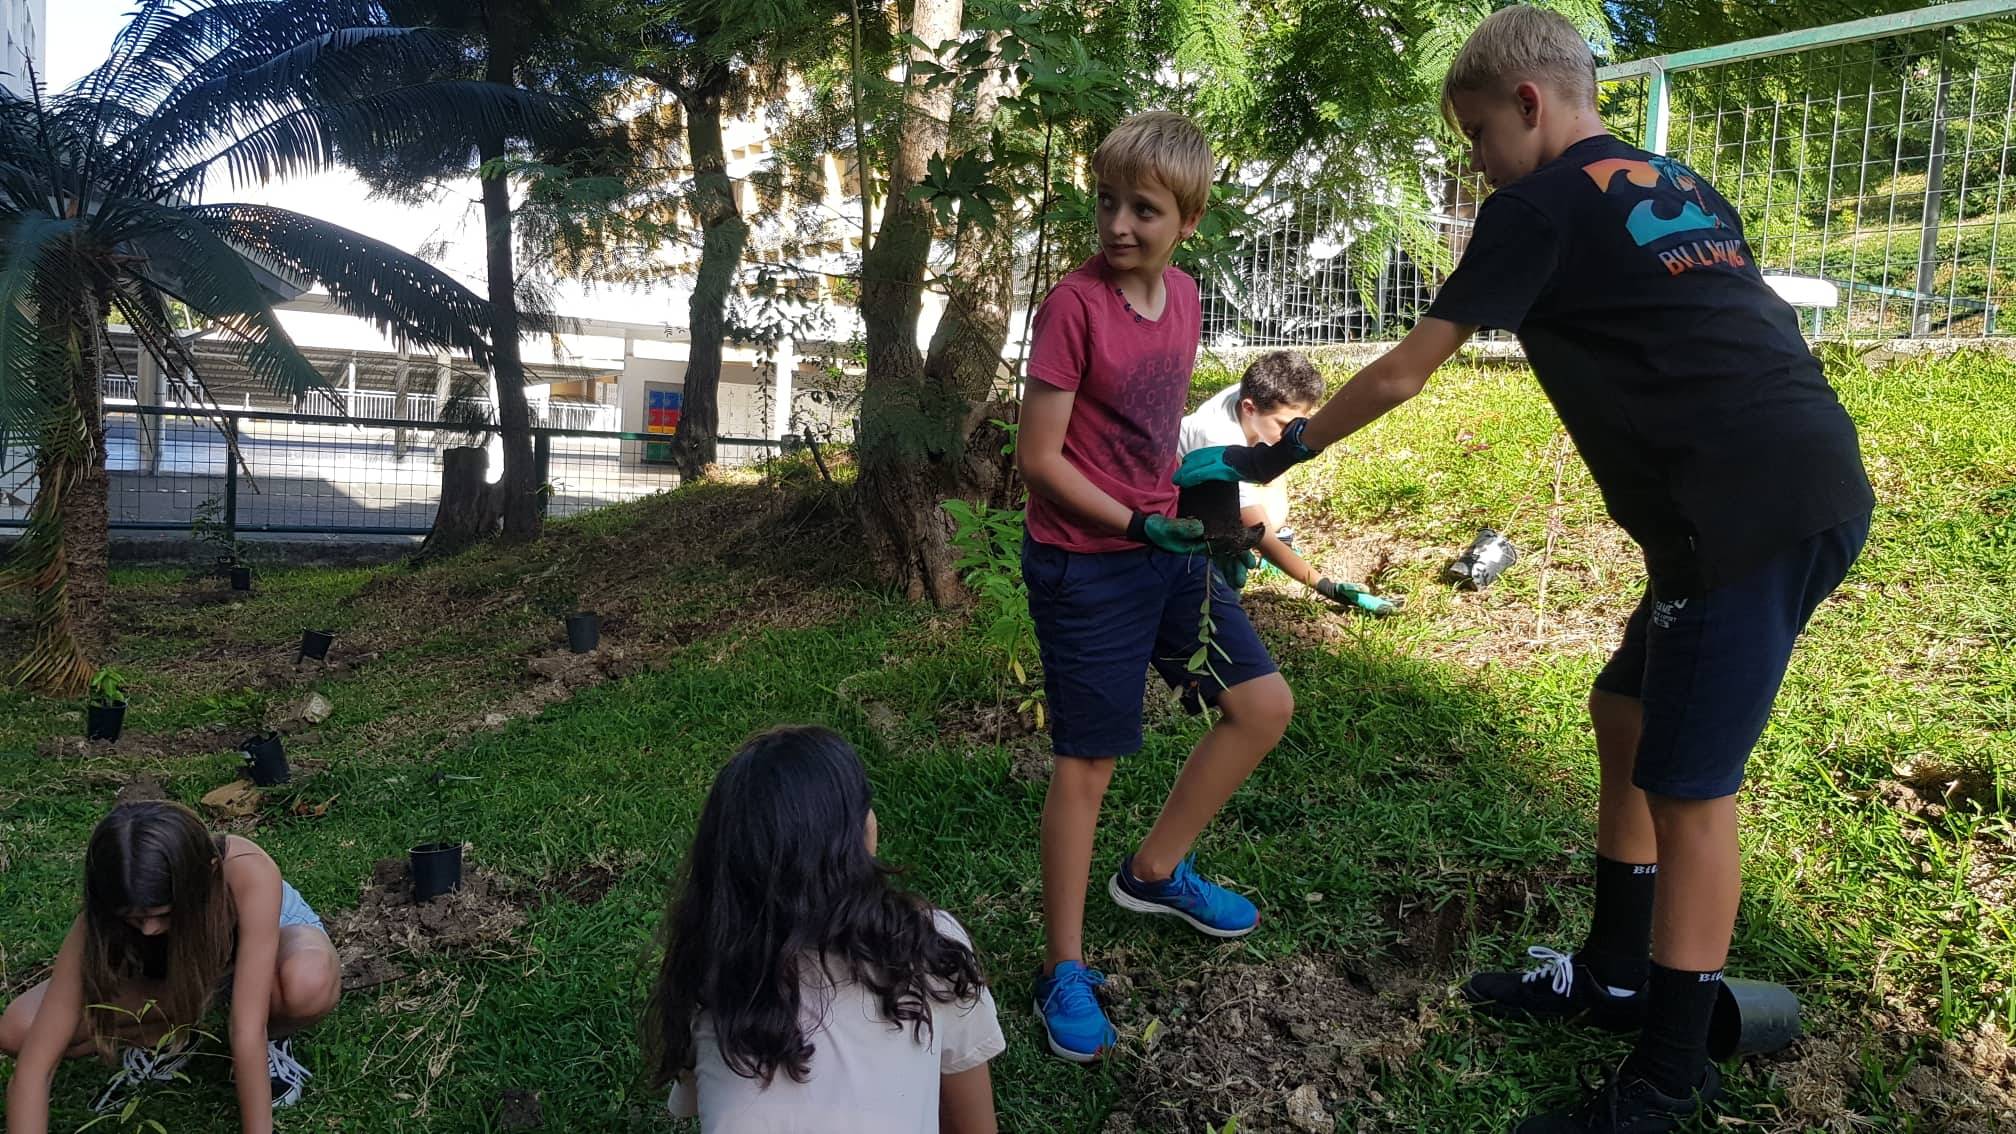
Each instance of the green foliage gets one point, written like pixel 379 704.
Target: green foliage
pixel 989 541
pixel 108 687
pixel 215 542
pixel 966 182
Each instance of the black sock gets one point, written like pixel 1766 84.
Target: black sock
pixel 1673 1048
pixel 1619 947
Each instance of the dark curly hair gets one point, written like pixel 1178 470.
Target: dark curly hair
pixel 1282 378
pixel 780 877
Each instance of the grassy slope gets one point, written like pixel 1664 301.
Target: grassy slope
pixel 1436 760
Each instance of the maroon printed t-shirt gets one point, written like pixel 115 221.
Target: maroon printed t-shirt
pixel 1132 378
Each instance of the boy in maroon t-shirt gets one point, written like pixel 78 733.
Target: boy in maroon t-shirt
pixel 1116 583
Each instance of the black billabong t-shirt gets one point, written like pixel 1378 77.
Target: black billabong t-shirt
pixel 1682 377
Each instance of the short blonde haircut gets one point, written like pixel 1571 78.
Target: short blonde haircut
pixel 1515 45
pixel 1161 146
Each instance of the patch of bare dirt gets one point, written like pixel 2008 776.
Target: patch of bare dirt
pixel 1276 1046
pixel 14 982
pixel 1430 931
pixel 139 788
pixel 1939 786
pixel 965 724
pixel 1581 612
pixel 1030 760
pixel 141 745
pixel 583 885
pixel 1960 1086
pixel 977 729
pixel 387 927
pixel 519 1109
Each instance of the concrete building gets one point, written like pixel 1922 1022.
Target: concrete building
pixel 24 31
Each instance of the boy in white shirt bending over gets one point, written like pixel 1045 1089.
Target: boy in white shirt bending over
pixel 1278 387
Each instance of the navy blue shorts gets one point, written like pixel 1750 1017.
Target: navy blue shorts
pixel 1707 667
pixel 1103 619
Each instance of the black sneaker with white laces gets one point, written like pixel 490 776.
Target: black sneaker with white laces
pixel 1562 987
pixel 1634 1107
pixel 286 1073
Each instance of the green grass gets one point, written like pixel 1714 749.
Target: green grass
pixel 1439 758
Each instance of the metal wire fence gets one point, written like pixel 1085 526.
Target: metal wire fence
pixel 299 473
pixel 1870 157
pixel 1317 269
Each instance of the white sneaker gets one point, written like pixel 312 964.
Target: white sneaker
pixel 287 1074
pixel 139 1066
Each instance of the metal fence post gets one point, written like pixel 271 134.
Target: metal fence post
pixel 1658 109
pixel 1928 225
pixel 231 478
pixel 542 466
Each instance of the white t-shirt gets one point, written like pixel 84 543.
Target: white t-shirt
pixel 1216 423
pixel 867 1076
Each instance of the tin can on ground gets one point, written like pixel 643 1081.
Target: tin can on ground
pixel 1484 560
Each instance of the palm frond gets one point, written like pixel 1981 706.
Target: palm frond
pixel 308 139
pixel 184 258
pixel 30 264
pixel 276 71
pixel 402 295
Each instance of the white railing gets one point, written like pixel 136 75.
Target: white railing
pixel 574 415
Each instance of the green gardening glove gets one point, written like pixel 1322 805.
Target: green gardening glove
pixel 1353 595
pixel 1254 464
pixel 1181 536
pixel 1235 566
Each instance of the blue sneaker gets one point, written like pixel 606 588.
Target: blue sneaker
pixel 1207 906
pixel 1072 1019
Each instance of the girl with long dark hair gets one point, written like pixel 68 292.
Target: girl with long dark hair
pixel 801 991
pixel 173 916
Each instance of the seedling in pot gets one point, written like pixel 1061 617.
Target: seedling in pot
pixel 437 866
pixel 208 531
pixel 105 709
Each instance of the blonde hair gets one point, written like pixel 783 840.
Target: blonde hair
pixel 1163 146
pixel 1517 44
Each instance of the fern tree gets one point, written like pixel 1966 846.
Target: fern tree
pixel 99 214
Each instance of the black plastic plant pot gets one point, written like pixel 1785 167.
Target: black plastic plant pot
pixel 1484 560
pixel 584 632
pixel 1752 1017
pixel 265 759
pixel 315 643
pixel 1216 502
pixel 437 870
pixel 104 722
pixel 241 578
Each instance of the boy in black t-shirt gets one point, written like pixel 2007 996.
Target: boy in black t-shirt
pixel 1718 446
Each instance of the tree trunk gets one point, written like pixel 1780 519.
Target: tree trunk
pixel 61 555
pixel 723 236
pixel 471 508
pixel 520 483
pixel 912 440
pixel 966 347
pixel 87 514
